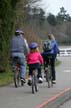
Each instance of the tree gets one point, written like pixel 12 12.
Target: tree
pixel 51 19
pixel 7 26
pixel 41 16
pixel 63 16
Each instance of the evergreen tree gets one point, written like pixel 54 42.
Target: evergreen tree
pixel 51 19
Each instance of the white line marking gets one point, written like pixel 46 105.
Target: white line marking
pixel 67 71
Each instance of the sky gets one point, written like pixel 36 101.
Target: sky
pixel 53 6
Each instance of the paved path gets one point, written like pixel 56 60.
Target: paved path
pixel 22 97
pixel 66 105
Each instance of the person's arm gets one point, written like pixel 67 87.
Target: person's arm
pixel 41 59
pixel 26 47
pixel 56 49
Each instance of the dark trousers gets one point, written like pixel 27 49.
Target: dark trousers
pixel 33 67
pixel 52 63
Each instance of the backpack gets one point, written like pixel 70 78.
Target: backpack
pixel 47 45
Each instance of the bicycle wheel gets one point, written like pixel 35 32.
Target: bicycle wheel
pixel 51 78
pixel 16 78
pixel 46 72
pixel 34 81
pixel 48 76
pixel 33 85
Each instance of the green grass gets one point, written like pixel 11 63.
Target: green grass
pixel 6 78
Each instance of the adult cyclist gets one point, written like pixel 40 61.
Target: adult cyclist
pixel 19 48
pixel 51 54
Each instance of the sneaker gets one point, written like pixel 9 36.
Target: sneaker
pixel 40 80
pixel 29 82
pixel 23 80
pixel 54 81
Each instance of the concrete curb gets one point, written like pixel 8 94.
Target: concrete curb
pixel 56 100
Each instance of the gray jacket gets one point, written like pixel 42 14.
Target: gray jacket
pixel 19 45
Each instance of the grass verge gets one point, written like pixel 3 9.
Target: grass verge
pixel 6 78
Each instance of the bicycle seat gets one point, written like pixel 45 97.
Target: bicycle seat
pixel 16 60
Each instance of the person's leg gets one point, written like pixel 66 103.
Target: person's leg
pixel 53 69
pixel 23 68
pixel 22 64
pixel 30 70
pixel 30 75
pixel 39 74
pixel 46 62
pixel 38 67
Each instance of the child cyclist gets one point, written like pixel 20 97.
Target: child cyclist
pixel 34 61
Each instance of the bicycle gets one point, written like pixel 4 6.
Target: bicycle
pixel 48 74
pixel 34 81
pixel 17 72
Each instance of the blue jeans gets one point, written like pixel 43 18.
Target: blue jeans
pixel 22 62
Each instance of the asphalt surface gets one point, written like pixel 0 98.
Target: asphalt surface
pixel 22 97
pixel 66 104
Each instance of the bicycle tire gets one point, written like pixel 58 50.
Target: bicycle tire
pixel 46 75
pixel 35 82
pixel 16 78
pixel 33 85
pixel 50 73
pixel 49 76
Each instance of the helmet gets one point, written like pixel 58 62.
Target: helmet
pixel 33 45
pixel 19 31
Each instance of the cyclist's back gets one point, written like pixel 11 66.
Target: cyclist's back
pixel 19 48
pixel 18 44
pixel 47 53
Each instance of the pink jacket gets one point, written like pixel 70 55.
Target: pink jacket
pixel 34 57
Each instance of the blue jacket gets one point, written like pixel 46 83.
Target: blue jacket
pixel 54 49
